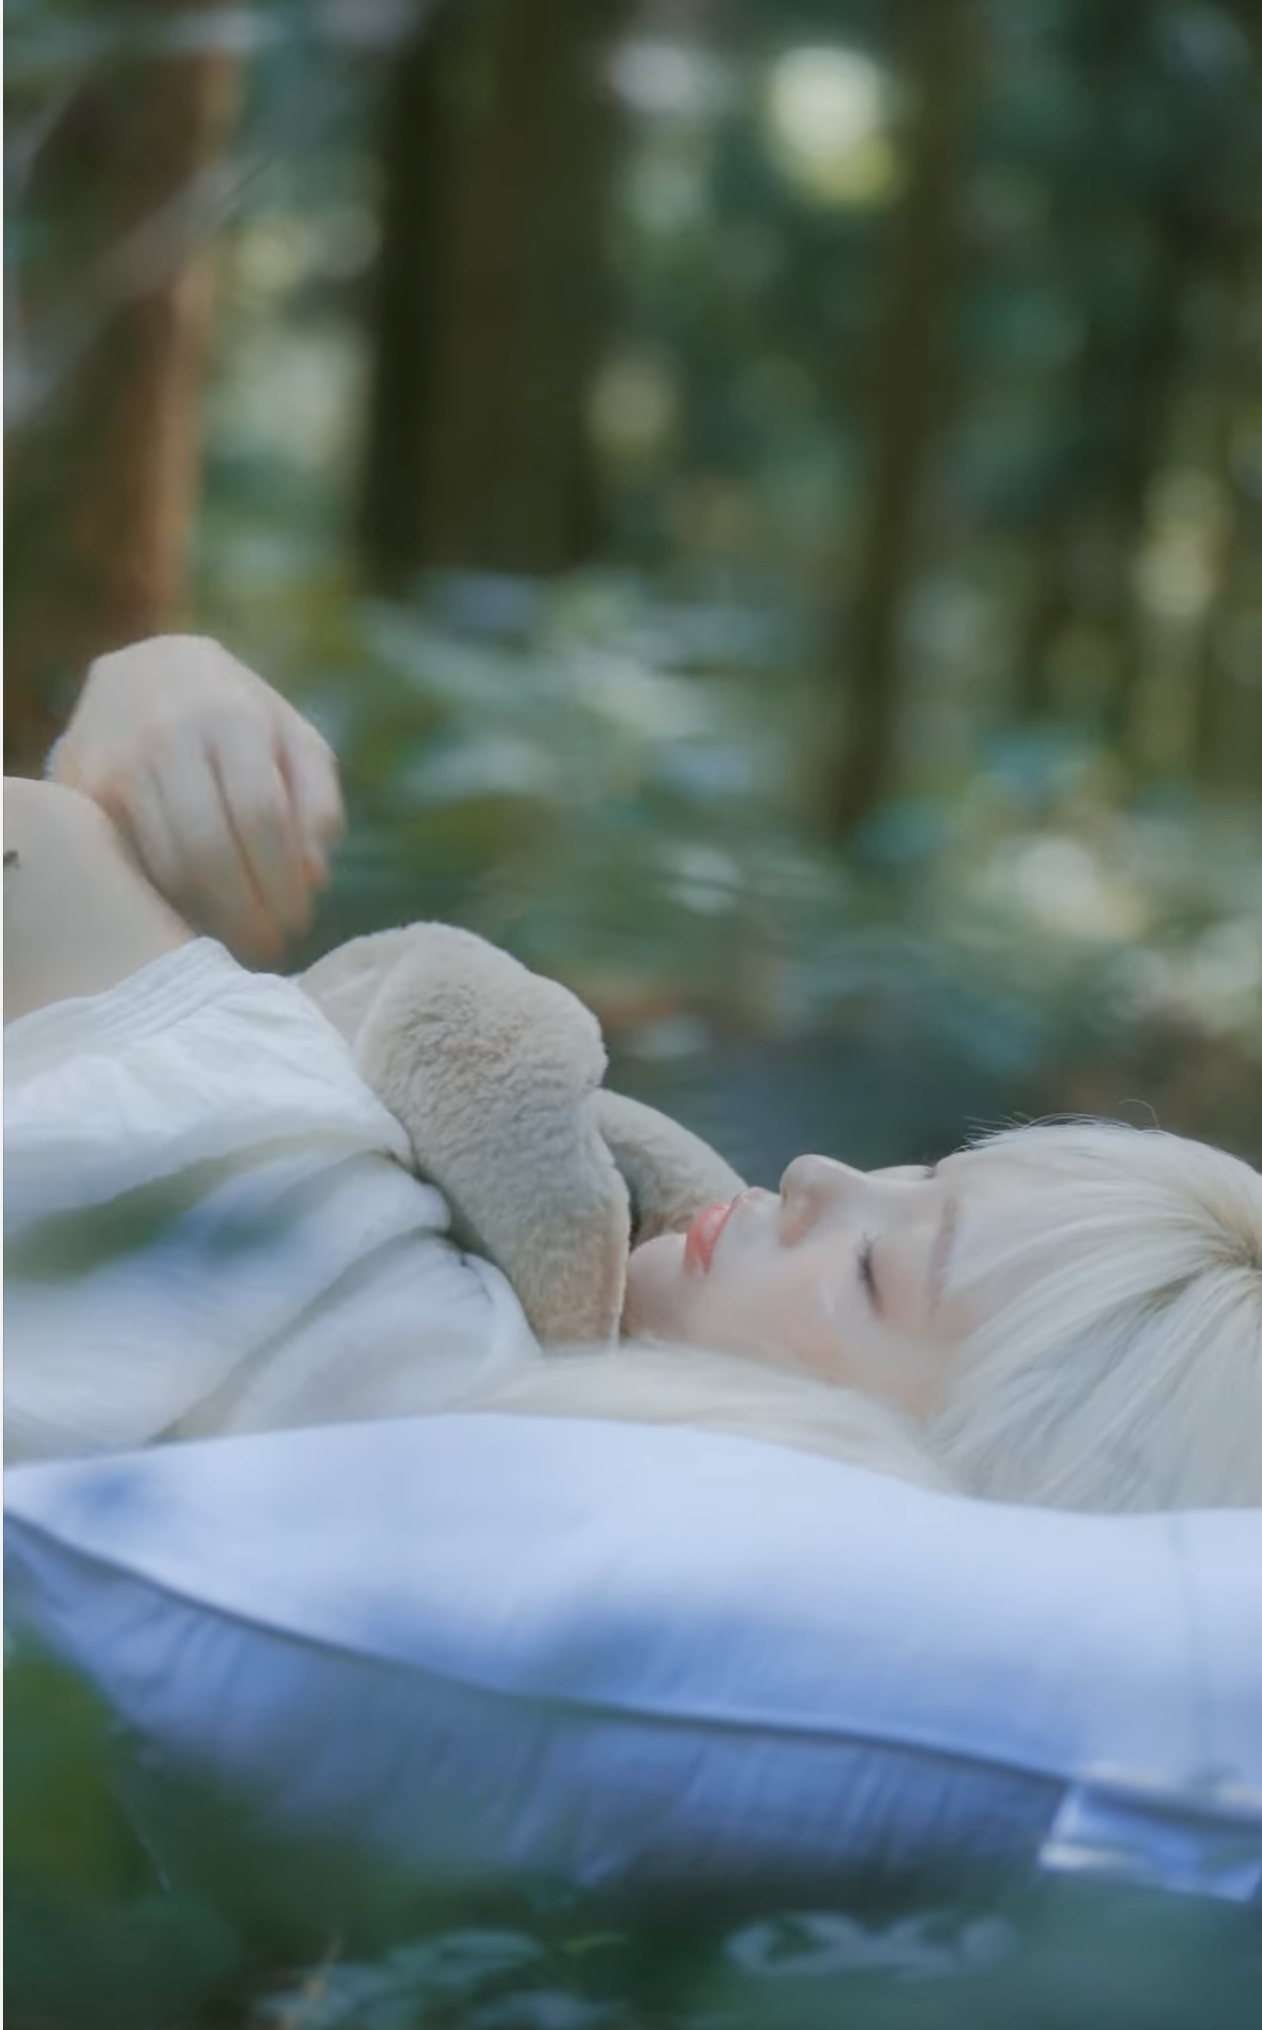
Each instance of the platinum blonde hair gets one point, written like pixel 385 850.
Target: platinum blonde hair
pixel 1122 1368
pixel 1118 1364
pixel 651 1382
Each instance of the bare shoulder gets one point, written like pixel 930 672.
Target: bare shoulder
pixel 79 915
pixel 46 811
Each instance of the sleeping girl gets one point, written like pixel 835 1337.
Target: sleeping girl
pixel 214 1225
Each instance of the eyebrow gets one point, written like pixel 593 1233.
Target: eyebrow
pixel 940 1254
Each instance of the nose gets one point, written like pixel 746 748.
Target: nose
pixel 812 1189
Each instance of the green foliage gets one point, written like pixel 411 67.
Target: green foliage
pixel 619 773
pixel 97 1942
pixel 587 783
pixel 93 1937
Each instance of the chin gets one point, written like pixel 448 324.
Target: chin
pixel 655 1282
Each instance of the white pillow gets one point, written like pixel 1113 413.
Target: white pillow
pixel 626 1655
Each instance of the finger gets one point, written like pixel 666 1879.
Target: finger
pixel 310 769
pixel 185 807
pixel 142 819
pixel 257 799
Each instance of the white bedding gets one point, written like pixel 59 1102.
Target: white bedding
pixel 623 1655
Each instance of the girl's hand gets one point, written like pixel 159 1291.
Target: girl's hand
pixel 227 796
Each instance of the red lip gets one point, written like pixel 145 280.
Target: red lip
pixel 703 1236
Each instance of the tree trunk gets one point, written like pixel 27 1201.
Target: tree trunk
pixel 488 307
pixel 1142 395
pixel 421 130
pixel 1235 383
pixel 103 457
pixel 904 404
pixel 1048 609
pixel 1124 382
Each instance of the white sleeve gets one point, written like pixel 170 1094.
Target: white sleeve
pixel 210 1224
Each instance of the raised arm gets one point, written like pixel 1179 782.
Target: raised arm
pixel 228 797
pixel 79 915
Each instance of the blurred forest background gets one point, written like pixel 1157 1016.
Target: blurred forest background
pixel 765 496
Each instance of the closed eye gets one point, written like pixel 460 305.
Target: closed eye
pixel 867 1273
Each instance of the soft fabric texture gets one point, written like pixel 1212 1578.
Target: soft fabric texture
pixel 495 1074
pixel 211 1225
pixel 476 1646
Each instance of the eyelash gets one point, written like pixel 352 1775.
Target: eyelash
pixel 866 1276
pixel 867 1250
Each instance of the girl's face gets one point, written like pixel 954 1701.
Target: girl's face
pixel 844 1273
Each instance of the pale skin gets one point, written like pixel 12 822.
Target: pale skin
pixel 189 795
pixel 227 796
pixel 186 794
pixel 79 916
pixel 847 1274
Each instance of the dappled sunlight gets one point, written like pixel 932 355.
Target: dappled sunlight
pixel 827 118
pixel 1061 885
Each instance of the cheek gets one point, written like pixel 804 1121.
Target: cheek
pixel 738 1308
pixel 764 1309
pixel 800 1314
